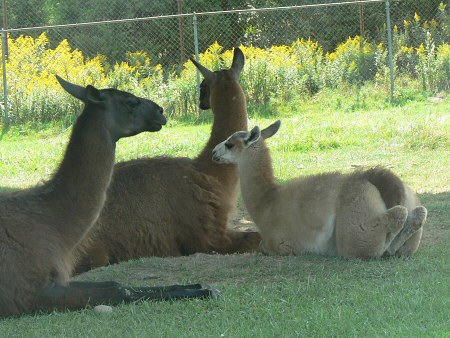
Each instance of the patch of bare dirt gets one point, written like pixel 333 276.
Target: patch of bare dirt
pixel 241 220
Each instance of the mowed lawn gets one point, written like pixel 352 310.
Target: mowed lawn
pixel 273 296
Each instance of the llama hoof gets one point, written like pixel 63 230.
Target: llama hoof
pixel 414 222
pixel 285 248
pixel 264 249
pixel 398 215
pixel 419 216
pixel 213 292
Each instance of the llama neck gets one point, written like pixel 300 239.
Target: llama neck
pixel 230 115
pixel 78 188
pixel 258 183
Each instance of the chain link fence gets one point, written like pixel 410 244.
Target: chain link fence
pixel 172 31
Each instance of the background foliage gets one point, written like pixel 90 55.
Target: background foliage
pixel 273 77
pixel 170 39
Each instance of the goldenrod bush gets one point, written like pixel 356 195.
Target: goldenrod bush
pixel 272 77
pixel 422 50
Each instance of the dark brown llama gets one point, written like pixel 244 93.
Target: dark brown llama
pixel 41 226
pixel 177 206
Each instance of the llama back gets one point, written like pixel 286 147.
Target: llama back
pixel 315 191
pixel 192 206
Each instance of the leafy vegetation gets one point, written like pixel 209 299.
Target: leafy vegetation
pixel 273 78
pixel 169 39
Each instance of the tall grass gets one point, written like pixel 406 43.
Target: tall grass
pixel 329 124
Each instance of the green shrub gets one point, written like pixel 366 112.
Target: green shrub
pixel 272 77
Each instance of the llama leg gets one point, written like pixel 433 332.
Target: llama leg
pixel 171 292
pixel 416 219
pixel 241 242
pixel 395 221
pixel 411 245
pixel 368 240
pixel 391 222
pixel 78 295
pixel 91 257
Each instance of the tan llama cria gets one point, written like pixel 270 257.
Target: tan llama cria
pixel 364 214
pixel 41 226
pixel 167 206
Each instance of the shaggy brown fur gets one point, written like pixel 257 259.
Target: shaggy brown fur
pixel 363 214
pixel 41 226
pixel 177 206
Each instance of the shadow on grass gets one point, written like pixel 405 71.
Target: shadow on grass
pixel 437 227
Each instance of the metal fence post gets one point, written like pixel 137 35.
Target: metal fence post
pixel 389 38
pixel 197 57
pixel 5 83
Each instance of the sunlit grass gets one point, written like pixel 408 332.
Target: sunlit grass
pixel 408 138
pixel 278 296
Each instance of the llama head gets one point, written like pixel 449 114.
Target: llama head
pixel 127 114
pixel 230 150
pixel 211 78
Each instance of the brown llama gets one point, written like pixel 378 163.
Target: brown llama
pixel 365 214
pixel 167 206
pixel 41 226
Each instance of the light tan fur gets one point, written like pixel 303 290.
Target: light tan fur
pixel 365 214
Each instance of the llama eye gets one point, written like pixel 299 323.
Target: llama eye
pixel 229 145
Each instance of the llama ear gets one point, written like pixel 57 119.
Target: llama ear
pixel 238 62
pixel 271 130
pixel 93 95
pixel 75 90
pixel 209 76
pixel 253 136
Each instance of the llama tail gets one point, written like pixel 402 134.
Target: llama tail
pixel 390 186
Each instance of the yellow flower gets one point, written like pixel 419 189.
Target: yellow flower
pixel 443 51
pixel 417 17
pixel 421 50
pixel 407 50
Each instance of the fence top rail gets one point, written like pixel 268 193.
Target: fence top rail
pixel 233 11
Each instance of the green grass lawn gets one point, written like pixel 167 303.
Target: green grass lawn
pixel 275 296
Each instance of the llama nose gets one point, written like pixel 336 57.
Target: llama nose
pixel 214 155
pixel 163 117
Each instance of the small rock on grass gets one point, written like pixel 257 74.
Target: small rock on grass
pixel 100 309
